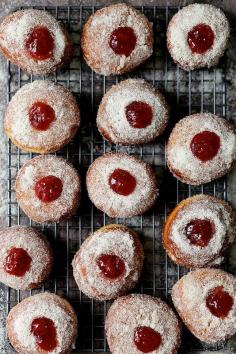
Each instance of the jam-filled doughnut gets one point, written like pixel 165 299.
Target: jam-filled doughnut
pixel 201 148
pixel 25 257
pixel 48 189
pixel 206 302
pixel 43 323
pixel 116 39
pixel 132 112
pixel 109 262
pixel 197 36
pixel 142 324
pixel 121 185
pixel 199 230
pixel 35 41
pixel 42 117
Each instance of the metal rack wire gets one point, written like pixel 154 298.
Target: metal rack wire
pixel 203 90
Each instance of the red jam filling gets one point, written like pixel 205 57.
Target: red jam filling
pixel 122 182
pixel 40 43
pixel 201 38
pixel 205 145
pixel 48 188
pixel 123 41
pixel 199 232
pixel 111 265
pixel 17 262
pixel 41 115
pixel 45 333
pixel 146 339
pixel 219 302
pixel 139 114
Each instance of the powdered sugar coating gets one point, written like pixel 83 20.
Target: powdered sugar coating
pixel 61 131
pixel 14 31
pixel 59 209
pixel 182 22
pixel 189 296
pixel 46 305
pixel 115 240
pixel 37 247
pixel 116 205
pixel 182 162
pixel 96 49
pixel 129 312
pixel 111 118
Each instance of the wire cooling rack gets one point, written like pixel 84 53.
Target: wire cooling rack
pixel 187 92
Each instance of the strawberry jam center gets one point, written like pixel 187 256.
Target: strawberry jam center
pixel 45 333
pixel 199 232
pixel 146 339
pixel 48 188
pixel 41 115
pixel 123 41
pixel 139 114
pixel 122 182
pixel 200 38
pixel 40 43
pixel 205 145
pixel 111 265
pixel 219 302
pixel 17 262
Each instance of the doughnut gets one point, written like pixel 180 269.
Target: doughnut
pixel 121 185
pixel 201 148
pixel 142 324
pixel 206 302
pixel 48 189
pixel 42 117
pixel 116 39
pixel 42 323
pixel 132 112
pixel 25 257
pixel 197 36
pixel 35 41
pixel 198 231
pixel 109 262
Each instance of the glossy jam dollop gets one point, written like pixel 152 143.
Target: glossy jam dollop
pixel 147 339
pixel 123 41
pixel 41 115
pixel 199 232
pixel 139 114
pixel 17 262
pixel 219 302
pixel 200 38
pixel 111 265
pixel 122 182
pixel 48 188
pixel 40 43
pixel 45 333
pixel 205 145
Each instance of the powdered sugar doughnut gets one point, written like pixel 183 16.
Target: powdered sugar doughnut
pixel 201 148
pixel 42 117
pixel 42 323
pixel 25 257
pixel 48 189
pixel 132 112
pixel 142 324
pixel 121 185
pixel 199 230
pixel 124 42
pixel 197 36
pixel 109 262
pixel 206 302
pixel 35 41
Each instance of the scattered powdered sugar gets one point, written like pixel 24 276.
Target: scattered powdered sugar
pixel 183 22
pixel 3 345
